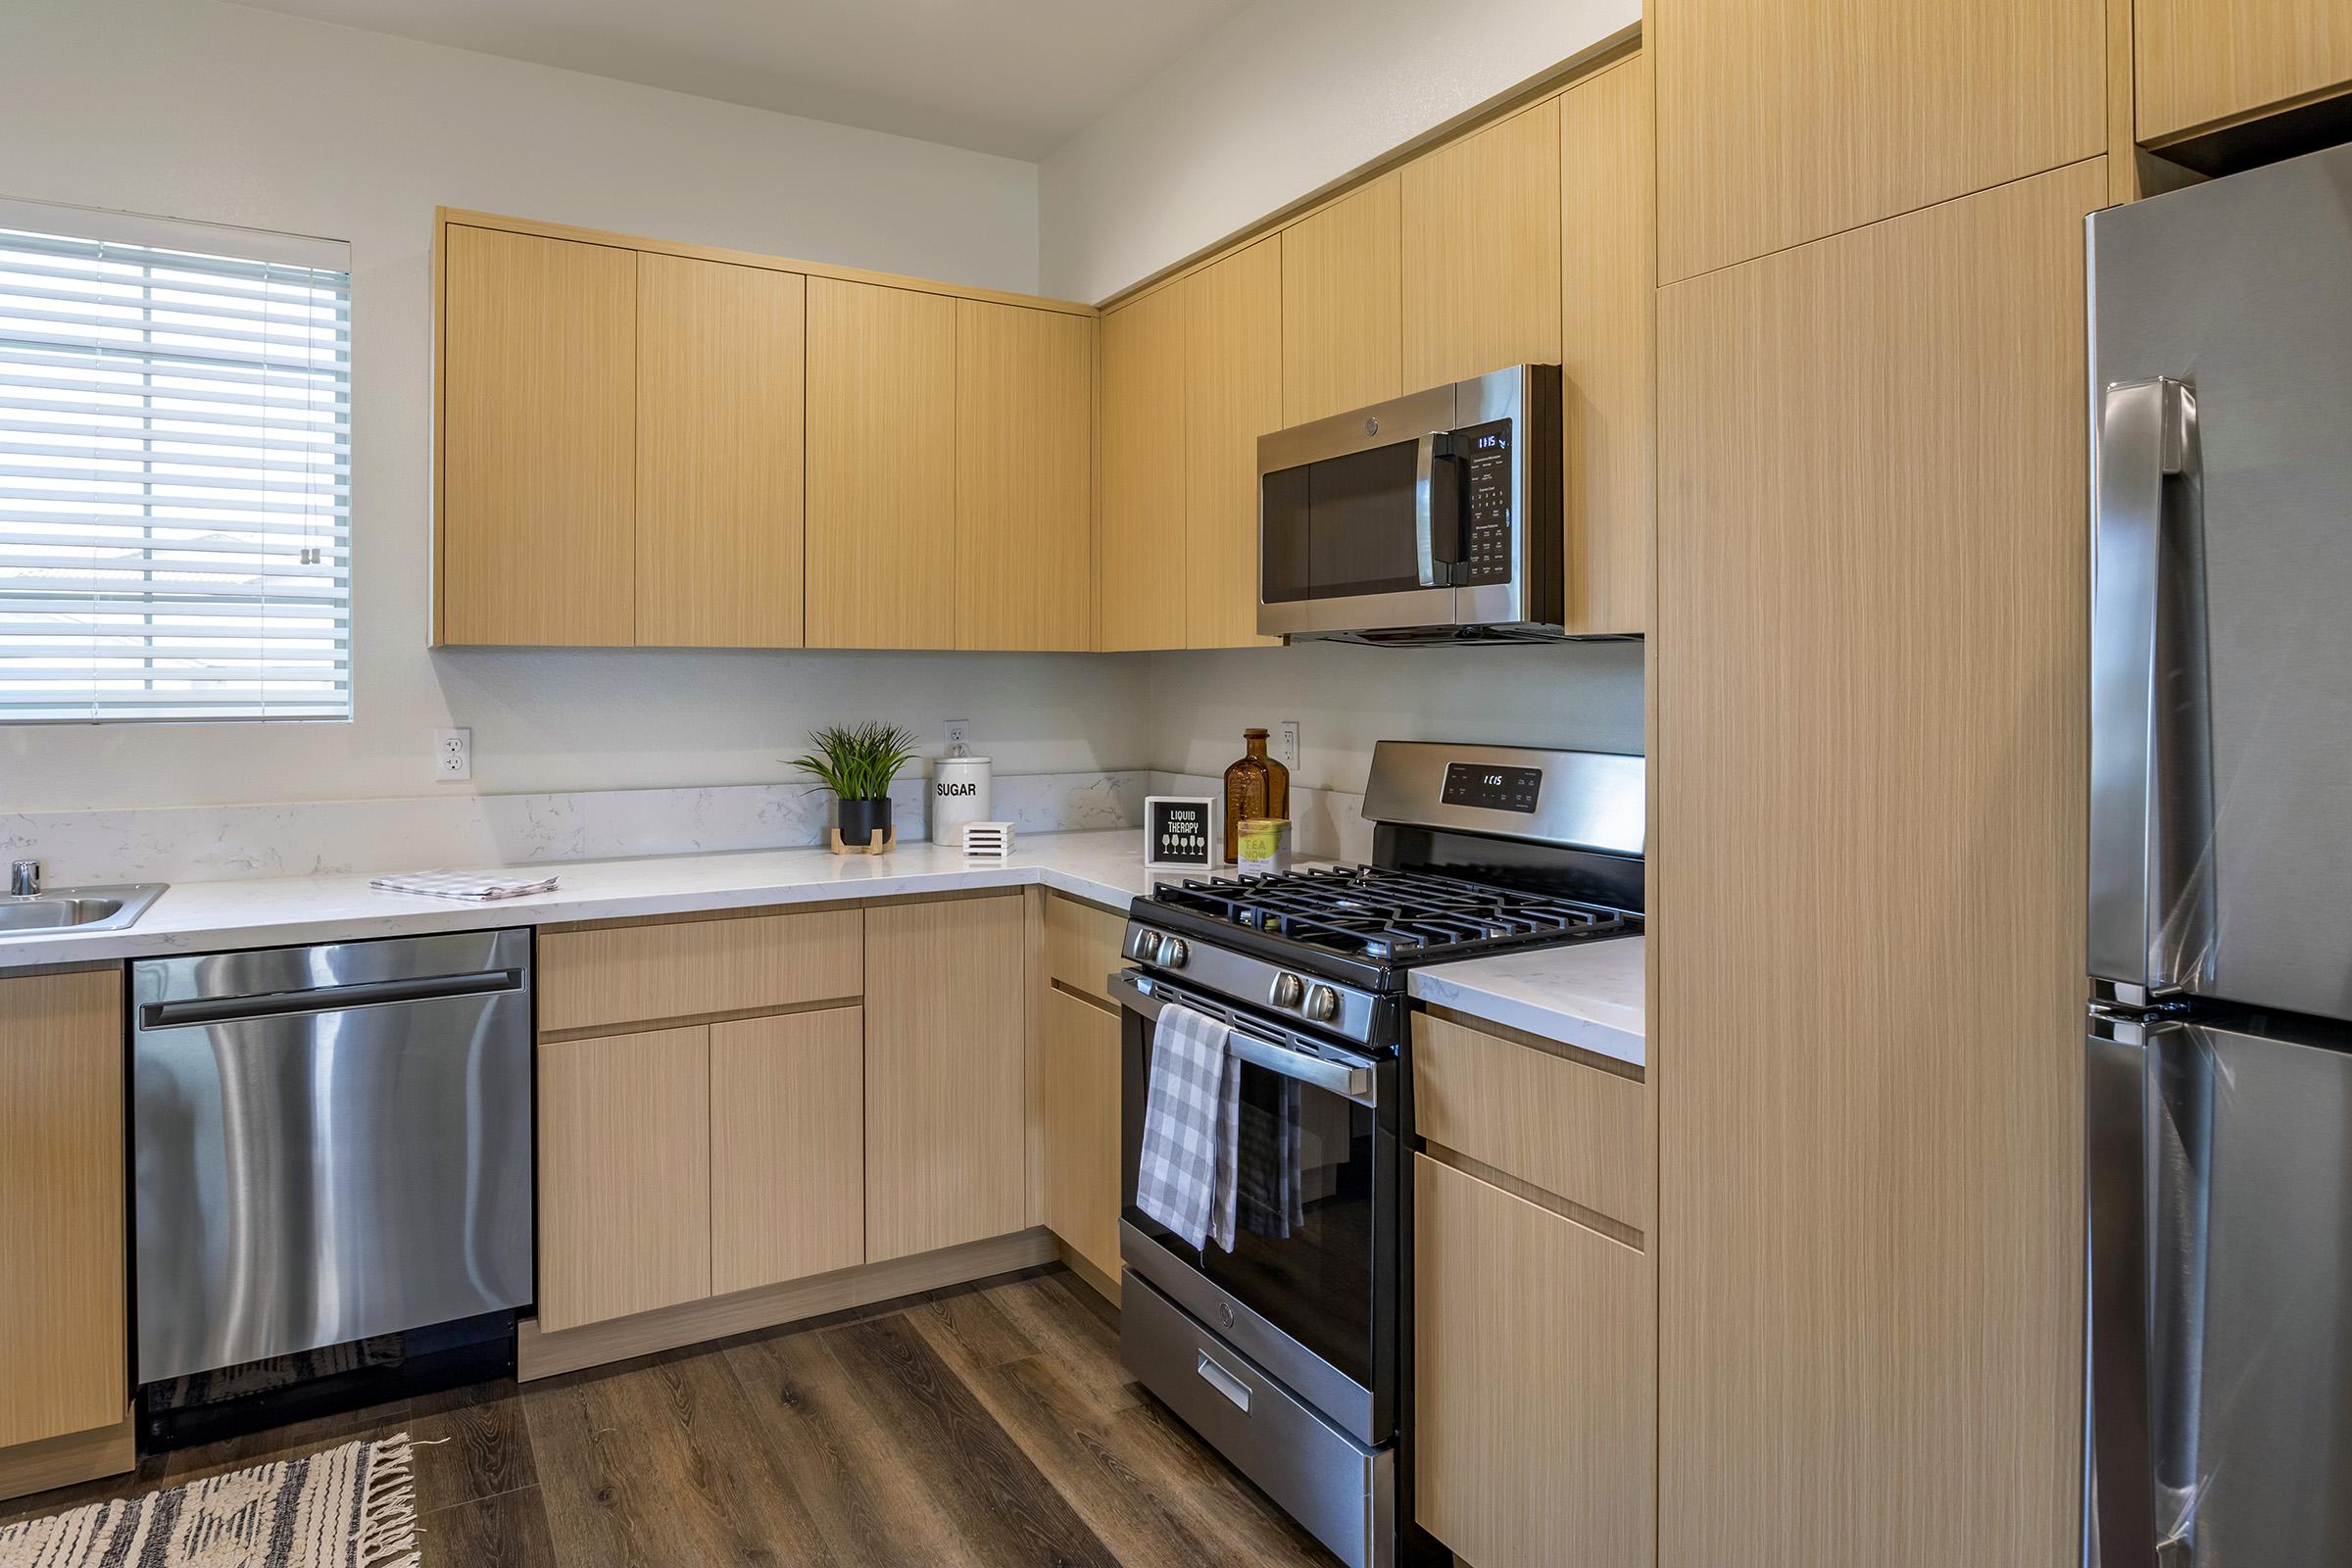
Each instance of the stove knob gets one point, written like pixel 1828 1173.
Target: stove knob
pixel 1146 945
pixel 1173 952
pixel 1289 990
pixel 1322 1003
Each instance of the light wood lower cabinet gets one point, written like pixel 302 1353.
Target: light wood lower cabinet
pixel 945 1025
pixel 1078 1060
pixel 625 1175
pixel 1533 1381
pixel 787 1147
pixel 63 1336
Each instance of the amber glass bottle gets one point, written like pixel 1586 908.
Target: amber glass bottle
pixel 1256 786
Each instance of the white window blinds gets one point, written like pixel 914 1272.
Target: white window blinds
pixel 175 470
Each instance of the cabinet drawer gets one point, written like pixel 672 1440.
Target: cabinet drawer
pixel 1576 1132
pixel 1082 945
pixel 1533 1385
pixel 628 974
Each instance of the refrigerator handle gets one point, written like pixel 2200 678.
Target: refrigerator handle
pixel 2119 1435
pixel 2149 817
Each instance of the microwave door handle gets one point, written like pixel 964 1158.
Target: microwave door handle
pixel 1426 458
pixel 2149 807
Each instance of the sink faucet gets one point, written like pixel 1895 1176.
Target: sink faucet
pixel 24 877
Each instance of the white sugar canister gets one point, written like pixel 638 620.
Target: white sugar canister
pixel 959 793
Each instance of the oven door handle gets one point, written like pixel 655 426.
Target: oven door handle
pixel 1336 1077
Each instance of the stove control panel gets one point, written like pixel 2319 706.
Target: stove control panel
pixel 1495 786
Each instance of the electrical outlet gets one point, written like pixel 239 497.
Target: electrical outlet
pixel 1286 744
pixel 453 754
pixel 959 733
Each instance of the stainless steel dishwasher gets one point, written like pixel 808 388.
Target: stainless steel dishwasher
pixel 330 1143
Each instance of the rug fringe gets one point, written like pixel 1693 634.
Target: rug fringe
pixel 387 1536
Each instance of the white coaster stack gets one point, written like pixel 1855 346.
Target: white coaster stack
pixel 988 838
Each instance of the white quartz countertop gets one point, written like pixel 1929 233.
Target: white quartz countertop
pixel 1590 996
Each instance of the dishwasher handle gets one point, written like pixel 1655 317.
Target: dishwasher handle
pixel 326 999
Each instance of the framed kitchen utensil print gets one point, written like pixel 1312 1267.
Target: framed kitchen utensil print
pixel 1180 833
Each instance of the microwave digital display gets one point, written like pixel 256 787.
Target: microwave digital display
pixel 1495 787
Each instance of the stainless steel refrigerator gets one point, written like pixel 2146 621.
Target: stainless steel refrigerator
pixel 2219 1045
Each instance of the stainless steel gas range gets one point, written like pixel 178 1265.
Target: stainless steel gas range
pixel 1292 1352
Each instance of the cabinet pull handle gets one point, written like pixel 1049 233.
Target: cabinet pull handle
pixel 1226 1383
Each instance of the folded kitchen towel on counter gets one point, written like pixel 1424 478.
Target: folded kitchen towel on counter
pixel 1185 1174
pixel 478 886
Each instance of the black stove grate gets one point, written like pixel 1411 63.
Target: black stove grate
pixel 1394 916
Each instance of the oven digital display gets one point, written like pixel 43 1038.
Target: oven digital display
pixel 1496 787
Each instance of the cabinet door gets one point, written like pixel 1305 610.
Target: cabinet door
pixel 1482 251
pixel 881 502
pixel 537 532
pixel 1533 1392
pixel 1608 313
pixel 1774 128
pixel 1232 396
pixel 1079 1058
pixel 787 1147
pixel 62 1298
pixel 1025 478
pixel 625 1175
pixel 1140 536
pixel 1343 305
pixel 718 455
pixel 2203 61
pixel 1870 494
pixel 944 1033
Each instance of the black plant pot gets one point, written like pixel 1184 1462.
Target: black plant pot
pixel 860 821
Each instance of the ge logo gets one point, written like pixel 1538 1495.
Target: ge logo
pixel 1371 427
pixel 1225 1313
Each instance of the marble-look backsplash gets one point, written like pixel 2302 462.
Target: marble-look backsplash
pixel 320 838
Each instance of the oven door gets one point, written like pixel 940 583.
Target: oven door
pixel 1310 1290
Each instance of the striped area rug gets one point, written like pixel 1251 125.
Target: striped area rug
pixel 350 1507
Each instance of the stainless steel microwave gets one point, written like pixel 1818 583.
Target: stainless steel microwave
pixel 1431 518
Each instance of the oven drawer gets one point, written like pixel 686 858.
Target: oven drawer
pixel 1572 1130
pixel 1342 1493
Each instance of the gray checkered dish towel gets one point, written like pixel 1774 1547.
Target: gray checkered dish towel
pixel 1184 1178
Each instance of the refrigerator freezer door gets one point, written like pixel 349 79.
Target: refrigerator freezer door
pixel 2222 619
pixel 2220 1166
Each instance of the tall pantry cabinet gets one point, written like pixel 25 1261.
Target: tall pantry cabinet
pixel 1869 658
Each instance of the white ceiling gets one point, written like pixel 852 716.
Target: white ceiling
pixel 1018 77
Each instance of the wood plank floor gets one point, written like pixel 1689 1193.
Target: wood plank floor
pixel 989 1424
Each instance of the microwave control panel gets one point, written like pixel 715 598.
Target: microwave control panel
pixel 1487 538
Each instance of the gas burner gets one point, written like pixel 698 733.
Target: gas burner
pixel 1389 917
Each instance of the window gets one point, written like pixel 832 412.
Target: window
pixel 175 470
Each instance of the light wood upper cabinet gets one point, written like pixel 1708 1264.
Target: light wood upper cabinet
pixel 1232 396
pixel 1609 313
pixel 1774 128
pixel 787 1147
pixel 945 1038
pixel 1482 251
pixel 63 1336
pixel 1343 304
pixel 625 1175
pixel 1078 1058
pixel 1870 1223
pixel 1025 478
pixel 1534 1391
pixel 536 530
pixel 881 487
pixel 1140 542
pixel 718 454
pixel 2208 62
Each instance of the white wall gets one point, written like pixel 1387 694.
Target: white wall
pixel 1287 97
pixel 1584 696
pixel 232 115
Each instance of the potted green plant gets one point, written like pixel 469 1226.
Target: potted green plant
pixel 856 763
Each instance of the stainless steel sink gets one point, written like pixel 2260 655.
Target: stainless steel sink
pixel 105 909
